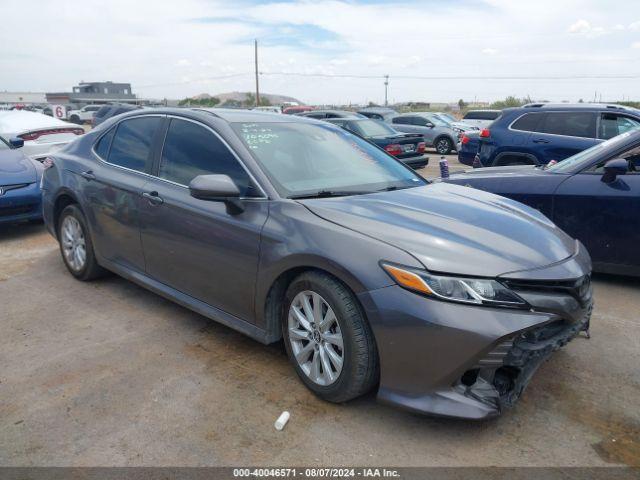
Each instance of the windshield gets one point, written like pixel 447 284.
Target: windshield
pixel 437 120
pixel 303 159
pixel 449 119
pixel 371 128
pixel 585 157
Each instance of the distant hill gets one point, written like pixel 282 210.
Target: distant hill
pixel 274 99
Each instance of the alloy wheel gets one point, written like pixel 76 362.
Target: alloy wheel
pixel 73 243
pixel 315 338
pixel 443 146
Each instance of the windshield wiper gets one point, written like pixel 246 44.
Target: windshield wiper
pixel 325 194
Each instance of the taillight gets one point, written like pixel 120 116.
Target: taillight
pixel 421 147
pixel 485 133
pixel 464 140
pixel 393 149
pixel 52 131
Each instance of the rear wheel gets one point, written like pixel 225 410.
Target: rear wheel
pixel 76 246
pixel 75 119
pixel 327 338
pixel 443 146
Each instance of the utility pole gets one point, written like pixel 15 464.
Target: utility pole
pixel 257 83
pixel 386 87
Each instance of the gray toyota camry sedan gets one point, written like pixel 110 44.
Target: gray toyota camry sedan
pixel 443 298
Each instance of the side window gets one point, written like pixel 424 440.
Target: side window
pixel 529 122
pixel 402 120
pixel 472 116
pixel 102 146
pixel 572 124
pixel 420 121
pixel 190 150
pixel 612 125
pixel 132 143
pixel 317 116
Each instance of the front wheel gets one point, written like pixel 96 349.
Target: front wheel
pixel 443 146
pixel 327 338
pixel 76 246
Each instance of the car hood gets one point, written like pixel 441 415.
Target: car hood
pixel 15 168
pixel 453 229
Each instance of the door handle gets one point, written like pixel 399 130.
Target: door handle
pixel 88 175
pixel 153 198
pixel 541 140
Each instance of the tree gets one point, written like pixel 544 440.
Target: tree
pixel 508 102
pixel 461 104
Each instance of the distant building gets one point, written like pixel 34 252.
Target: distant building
pixel 22 98
pixel 95 92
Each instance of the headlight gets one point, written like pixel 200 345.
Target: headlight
pixel 479 291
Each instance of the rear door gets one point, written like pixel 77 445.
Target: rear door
pixel 605 217
pixel 196 246
pixel 562 134
pixel 112 188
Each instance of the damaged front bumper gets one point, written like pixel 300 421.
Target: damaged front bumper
pixel 465 361
pixel 500 378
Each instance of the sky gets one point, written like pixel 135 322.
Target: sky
pixel 470 49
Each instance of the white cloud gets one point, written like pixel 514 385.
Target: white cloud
pixel 583 27
pixel 489 51
pixel 183 62
pixel 618 27
pixel 635 45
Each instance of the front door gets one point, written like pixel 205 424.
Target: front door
pixel 196 246
pixel 604 216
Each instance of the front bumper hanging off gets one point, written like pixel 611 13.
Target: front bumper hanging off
pixel 468 361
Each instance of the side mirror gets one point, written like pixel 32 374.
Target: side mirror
pixel 16 142
pixel 613 168
pixel 217 188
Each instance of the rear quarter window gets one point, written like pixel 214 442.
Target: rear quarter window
pixel 529 122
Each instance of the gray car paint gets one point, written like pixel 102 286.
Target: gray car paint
pixel 430 133
pixel 233 267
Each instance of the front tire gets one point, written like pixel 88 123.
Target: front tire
pixel 327 338
pixel 76 246
pixel 443 146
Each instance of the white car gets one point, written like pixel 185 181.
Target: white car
pixel 83 115
pixel 481 118
pixel 40 133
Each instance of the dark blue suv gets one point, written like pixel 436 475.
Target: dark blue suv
pixel 537 133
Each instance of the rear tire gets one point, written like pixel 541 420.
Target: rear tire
pixel 334 319
pixel 75 119
pixel 76 246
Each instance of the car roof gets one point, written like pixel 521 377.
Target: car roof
pixel 21 120
pixel 578 106
pixel 232 115
pixel 378 110
pixel 337 112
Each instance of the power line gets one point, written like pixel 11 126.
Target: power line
pixel 459 77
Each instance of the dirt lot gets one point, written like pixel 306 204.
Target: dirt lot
pixel 106 373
